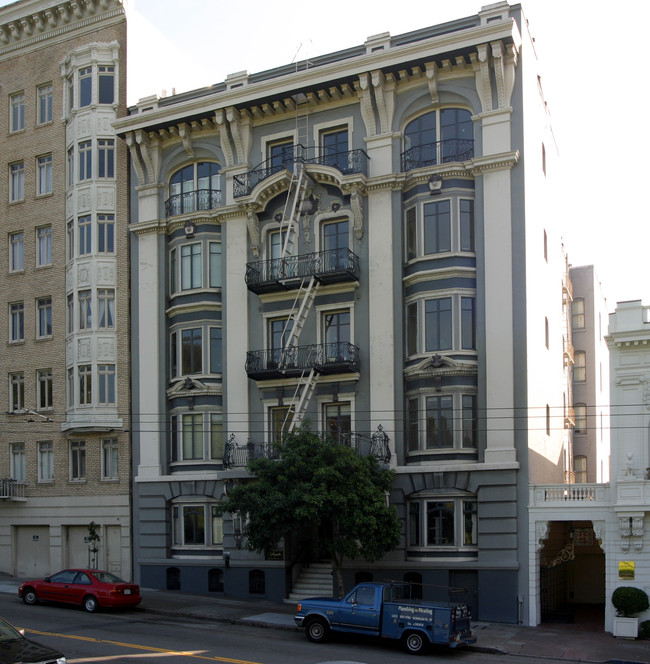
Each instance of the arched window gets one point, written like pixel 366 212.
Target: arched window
pixel 194 187
pixel 438 137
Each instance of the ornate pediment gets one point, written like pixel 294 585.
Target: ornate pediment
pixel 441 365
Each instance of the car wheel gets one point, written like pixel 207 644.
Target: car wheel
pixel 90 603
pixel 414 643
pixel 30 596
pixel 317 630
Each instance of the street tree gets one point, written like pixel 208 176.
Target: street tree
pixel 316 483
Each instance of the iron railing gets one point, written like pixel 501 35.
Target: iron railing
pixel 335 357
pixel 348 162
pixel 192 201
pixel 442 152
pixel 330 266
pixel 378 445
pixel 11 489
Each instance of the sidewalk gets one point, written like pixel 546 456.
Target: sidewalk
pixel 562 641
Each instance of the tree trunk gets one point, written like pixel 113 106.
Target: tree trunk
pixel 337 570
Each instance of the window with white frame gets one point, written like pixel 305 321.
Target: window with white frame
pixel 106 308
pixel 106 84
pixel 466 207
pixel 580 410
pixel 84 225
pixel 106 233
pixel 468 323
pixel 580 366
pixel 16 322
pixel 44 246
pixel 110 459
pixel 106 380
pixel 194 187
pixel 71 385
pixel 16 391
pixel 45 461
pixel 442 521
pixel 190 354
pixel 578 313
pixel 580 468
pixel 85 384
pixel 17 112
pixel 85 86
pixel 84 298
pixel 70 313
pixel 17 252
pixel 16 182
pixel 44 389
pixel 191 266
pixel 436 221
pixel 441 422
pixel 77 460
pixel 44 101
pixel 106 157
pixel 437 324
pixel 335 148
pixel 216 354
pixel 44 175
pixel 215 264
pixel 197 525
pixel 337 421
pixel 18 469
pixel 44 317
pixel 70 162
pixel 196 436
pixel 85 160
pixel 279 422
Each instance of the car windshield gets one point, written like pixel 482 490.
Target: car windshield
pixel 107 577
pixel 7 632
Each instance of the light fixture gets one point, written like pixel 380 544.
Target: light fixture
pixel 308 206
pixel 336 206
pixel 278 217
pixel 190 229
pixel 435 184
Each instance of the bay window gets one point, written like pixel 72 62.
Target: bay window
pixel 197 524
pixel 442 521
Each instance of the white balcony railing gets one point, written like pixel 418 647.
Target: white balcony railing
pixel 569 494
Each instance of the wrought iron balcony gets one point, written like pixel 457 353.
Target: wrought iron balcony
pixel 277 274
pixel 11 489
pixel 330 358
pixel 442 152
pixel 192 201
pixel 348 162
pixel 378 445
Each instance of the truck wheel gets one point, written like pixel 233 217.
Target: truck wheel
pixel 414 643
pixel 317 630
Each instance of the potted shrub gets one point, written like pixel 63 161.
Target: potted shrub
pixel 628 602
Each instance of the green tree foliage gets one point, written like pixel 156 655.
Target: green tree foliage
pixel 323 487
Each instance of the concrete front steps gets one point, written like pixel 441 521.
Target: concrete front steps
pixel 314 580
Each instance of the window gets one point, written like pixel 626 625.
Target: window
pixel 336 243
pixel 468 322
pixel 17 391
pixel 279 335
pixel 439 421
pixel 17 184
pixel 580 468
pixel 106 233
pixel 197 525
pixel 438 324
pixel 109 459
pixel 17 109
pixel 422 147
pixel 197 436
pixel 44 389
pixel 85 160
pixel 580 367
pixel 466 225
pixel 192 351
pixel 580 410
pixel 44 179
pixel 70 240
pixel 71 374
pixel 191 266
pixel 106 308
pixel 45 461
pixel 412 425
pixel 442 521
pixel 70 93
pixel 85 385
pixel 106 84
pixel 194 187
pixel 437 227
pixel 412 331
pixel 192 436
pixel 17 316
pixel 411 234
pixel 337 421
pixel 578 313
pixel 70 312
pixel 44 97
pixel 469 421
pixel 215 350
pixel 280 155
pixel 85 86
pixel 85 235
pixel 215 264
pixel 106 379
pixel 17 255
pixel 216 436
pixel 44 246
pixel 336 335
pixel 335 148
pixel 85 309
pixel 70 167
pixel 106 153
pixel 44 317
pixel 280 418
pixel 18 462
pixel 77 460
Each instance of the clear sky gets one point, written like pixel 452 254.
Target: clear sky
pixel 591 54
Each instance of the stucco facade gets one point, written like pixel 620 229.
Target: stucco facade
pixel 362 241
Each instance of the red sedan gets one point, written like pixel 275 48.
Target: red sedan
pixel 90 588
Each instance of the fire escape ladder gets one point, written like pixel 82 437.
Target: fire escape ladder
pixel 301 397
pixel 293 208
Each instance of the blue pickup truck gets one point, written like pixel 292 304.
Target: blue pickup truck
pixel 383 609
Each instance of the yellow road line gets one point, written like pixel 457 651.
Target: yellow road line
pixel 135 646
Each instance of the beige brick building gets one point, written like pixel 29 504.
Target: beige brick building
pixel 64 358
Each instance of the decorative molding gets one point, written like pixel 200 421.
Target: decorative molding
pixel 365 105
pixel 542 529
pixel 431 72
pixel 357 213
pixel 253 225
